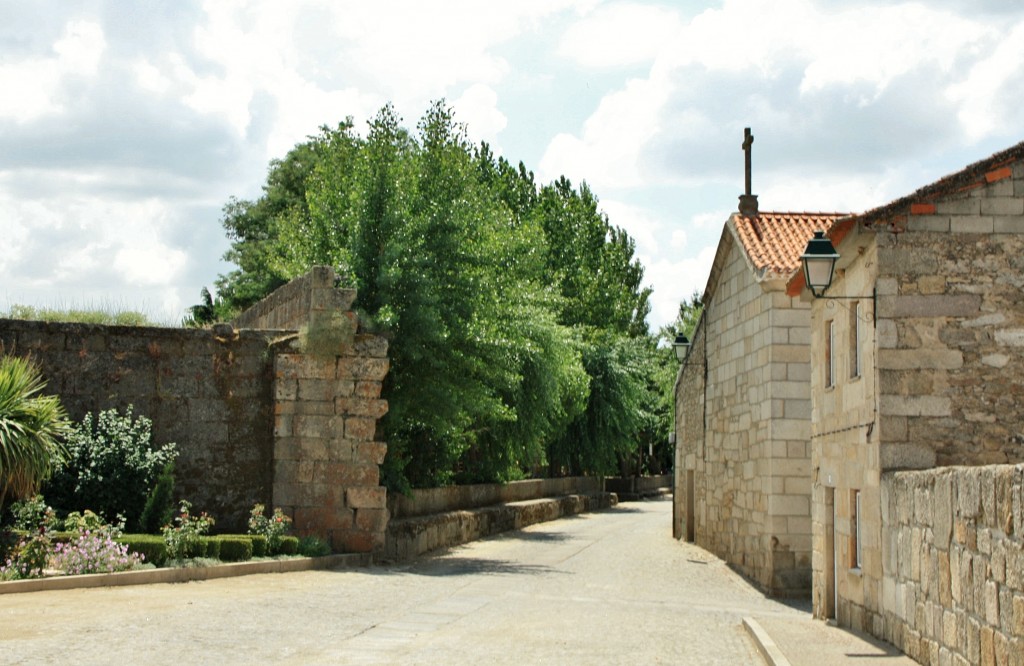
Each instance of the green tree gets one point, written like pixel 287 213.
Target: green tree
pixel 31 428
pixel 503 302
pixel 665 368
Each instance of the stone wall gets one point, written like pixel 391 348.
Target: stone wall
pixel 326 454
pixel 291 306
pixel 943 376
pixel 951 331
pixel 743 429
pixel 953 555
pixel 282 417
pixel 428 501
pixel 211 395
pixel 691 433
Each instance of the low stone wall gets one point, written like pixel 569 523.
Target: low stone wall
pixel 429 501
pixel 410 537
pixel 953 564
pixel 632 488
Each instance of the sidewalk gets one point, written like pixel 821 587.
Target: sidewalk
pixel 787 641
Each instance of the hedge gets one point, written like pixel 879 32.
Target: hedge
pixel 289 545
pixel 151 546
pixel 235 548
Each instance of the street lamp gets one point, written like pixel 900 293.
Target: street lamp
pixel 682 346
pixel 819 260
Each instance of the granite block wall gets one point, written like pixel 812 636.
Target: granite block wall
pixel 953 561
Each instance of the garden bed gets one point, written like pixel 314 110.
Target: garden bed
pixel 184 574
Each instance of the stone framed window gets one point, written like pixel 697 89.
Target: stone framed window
pixel 856 552
pixel 855 314
pixel 830 332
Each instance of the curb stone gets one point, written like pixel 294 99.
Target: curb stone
pixel 765 645
pixel 184 574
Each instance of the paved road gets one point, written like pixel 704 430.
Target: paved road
pixel 602 588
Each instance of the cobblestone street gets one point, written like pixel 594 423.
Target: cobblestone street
pixel 602 588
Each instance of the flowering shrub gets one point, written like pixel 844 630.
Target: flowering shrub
pixel 183 540
pixel 29 557
pixel 90 522
pixel 111 467
pixel 273 528
pixel 93 553
pixel 32 513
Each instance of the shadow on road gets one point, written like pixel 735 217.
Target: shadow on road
pixel 464 566
pixel 533 535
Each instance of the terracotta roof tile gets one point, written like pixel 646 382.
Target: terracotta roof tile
pixel 774 241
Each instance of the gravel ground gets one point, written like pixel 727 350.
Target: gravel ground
pixel 610 587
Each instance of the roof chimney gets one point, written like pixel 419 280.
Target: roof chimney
pixel 748 201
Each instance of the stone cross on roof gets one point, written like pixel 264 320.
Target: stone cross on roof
pixel 748 201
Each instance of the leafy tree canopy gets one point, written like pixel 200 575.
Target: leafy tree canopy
pixel 516 312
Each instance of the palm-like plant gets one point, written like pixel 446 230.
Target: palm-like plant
pixel 31 428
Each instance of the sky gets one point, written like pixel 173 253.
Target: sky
pixel 126 126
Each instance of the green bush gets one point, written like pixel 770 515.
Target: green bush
pixel 313 546
pixel 159 509
pixel 259 545
pixel 31 513
pixel 111 467
pixel 235 548
pixel 289 545
pixel 31 428
pixel 151 546
pixel 211 547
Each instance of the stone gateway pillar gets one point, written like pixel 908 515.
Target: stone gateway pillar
pixel 327 384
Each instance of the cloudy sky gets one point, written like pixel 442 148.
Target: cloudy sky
pixel 126 126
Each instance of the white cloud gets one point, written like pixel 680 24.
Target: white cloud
pixel 619 34
pixel 676 280
pixel 80 49
pixel 987 96
pixel 643 225
pixel 477 108
pixel 606 155
pixel 32 87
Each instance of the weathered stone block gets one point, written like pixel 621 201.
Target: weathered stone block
pixel 371 520
pixel 366 389
pixel 920 405
pixel 370 345
pixel 370 452
pixel 920 359
pixel 371 369
pixel 366 498
pixel 360 428
pixel 1002 206
pixel 361 407
pixel 906 456
pixel 992 603
pixel 958 305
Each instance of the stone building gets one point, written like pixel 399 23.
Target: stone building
pixel 742 468
pixel 918 364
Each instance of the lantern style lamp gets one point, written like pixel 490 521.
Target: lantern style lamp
pixel 819 260
pixel 681 345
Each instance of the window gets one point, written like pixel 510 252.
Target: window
pixel 855 540
pixel 829 362
pixel 855 340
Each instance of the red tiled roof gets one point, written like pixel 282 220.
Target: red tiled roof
pixel 775 241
